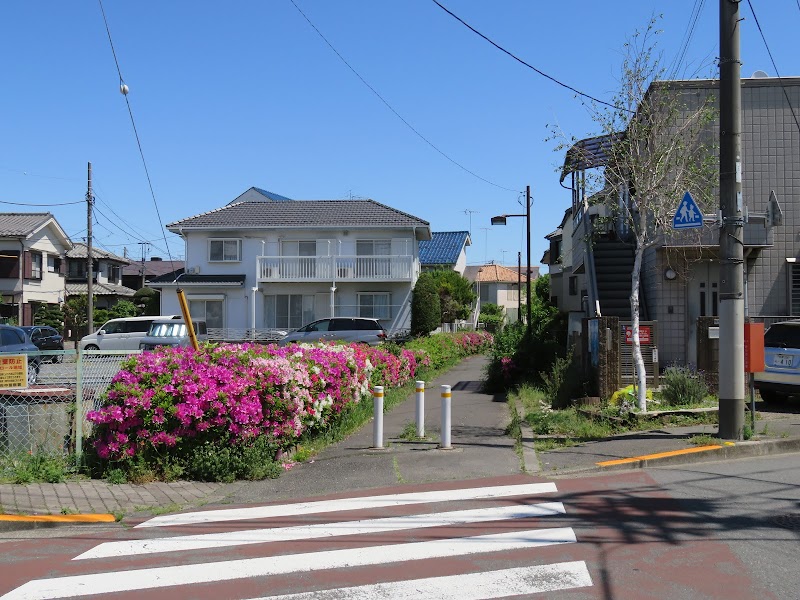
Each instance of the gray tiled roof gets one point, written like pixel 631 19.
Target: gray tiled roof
pixel 301 213
pixel 99 289
pixel 443 248
pixel 21 224
pixel 185 279
pixel 82 251
pixel 153 268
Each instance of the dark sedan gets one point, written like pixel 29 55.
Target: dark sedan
pixel 46 338
pixel 14 340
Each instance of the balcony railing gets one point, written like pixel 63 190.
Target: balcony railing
pixel 335 268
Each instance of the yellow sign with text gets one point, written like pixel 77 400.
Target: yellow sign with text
pixel 13 371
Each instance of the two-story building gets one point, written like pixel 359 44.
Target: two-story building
pixel 107 287
pixel 499 285
pixel 32 266
pixel 591 255
pixel 263 263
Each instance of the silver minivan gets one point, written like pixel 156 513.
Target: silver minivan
pixel 121 334
pixel 343 329
pixel 781 376
pixel 172 332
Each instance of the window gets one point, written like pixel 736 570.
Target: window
pixel 373 247
pixel 112 273
pixel 302 267
pixel 288 311
pixel 512 294
pixel 9 337
pixel 36 265
pixel 573 285
pixel 374 306
pixel 224 250
pixel 77 269
pixel 208 310
pixel 53 263
pixel 794 289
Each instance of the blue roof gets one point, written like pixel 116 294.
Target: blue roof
pixel 272 196
pixel 443 248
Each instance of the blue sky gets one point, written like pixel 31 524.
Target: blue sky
pixel 245 93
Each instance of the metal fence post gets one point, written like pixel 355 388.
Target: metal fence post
pixel 79 406
pixel 446 417
pixel 420 409
pixel 377 421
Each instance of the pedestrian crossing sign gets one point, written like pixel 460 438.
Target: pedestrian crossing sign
pixel 688 214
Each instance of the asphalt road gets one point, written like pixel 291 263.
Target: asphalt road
pixel 709 531
pixel 751 505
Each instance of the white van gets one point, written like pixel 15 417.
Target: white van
pixel 121 334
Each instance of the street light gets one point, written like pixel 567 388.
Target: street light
pixel 501 220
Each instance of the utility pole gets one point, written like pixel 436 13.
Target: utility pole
pixel 144 246
pixel 89 261
pixel 731 305
pixel 528 325
pixel 519 287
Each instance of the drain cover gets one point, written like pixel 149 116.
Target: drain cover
pixel 790 521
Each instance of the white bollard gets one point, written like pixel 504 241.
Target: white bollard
pixel 377 421
pixel 446 417
pixel 420 409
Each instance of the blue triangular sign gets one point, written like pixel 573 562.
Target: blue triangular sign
pixel 688 214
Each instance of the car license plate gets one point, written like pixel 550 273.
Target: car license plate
pixel 783 360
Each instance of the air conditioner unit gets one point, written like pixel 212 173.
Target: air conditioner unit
pixel 193 271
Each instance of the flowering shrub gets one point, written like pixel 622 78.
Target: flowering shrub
pixel 176 405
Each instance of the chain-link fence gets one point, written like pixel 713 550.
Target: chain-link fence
pixel 49 415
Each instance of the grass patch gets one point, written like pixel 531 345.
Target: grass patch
pixel 704 439
pixel 571 426
pixel 38 467
pixel 409 433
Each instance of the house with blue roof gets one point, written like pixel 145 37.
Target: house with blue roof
pixel 445 250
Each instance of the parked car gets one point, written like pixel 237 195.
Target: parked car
pixel 121 334
pixel 781 376
pixel 46 338
pixel 344 329
pixel 172 332
pixel 14 340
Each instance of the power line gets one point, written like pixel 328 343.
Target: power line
pixel 37 204
pixel 774 66
pixel 389 106
pixel 690 29
pixel 530 66
pixel 124 90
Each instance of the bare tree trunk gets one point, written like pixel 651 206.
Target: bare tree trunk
pixel 638 361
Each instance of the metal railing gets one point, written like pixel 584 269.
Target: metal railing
pixel 335 268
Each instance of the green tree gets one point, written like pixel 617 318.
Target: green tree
pixel 492 316
pixel 75 309
pixel 456 297
pixel 148 300
pixel 426 311
pixel 123 308
pixel 50 315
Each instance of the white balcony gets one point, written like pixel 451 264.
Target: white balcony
pixel 334 268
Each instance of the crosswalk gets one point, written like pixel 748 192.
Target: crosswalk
pixel 465 543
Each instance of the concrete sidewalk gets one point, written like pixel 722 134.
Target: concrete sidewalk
pixel 481 448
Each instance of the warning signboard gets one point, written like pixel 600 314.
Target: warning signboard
pixel 644 335
pixel 13 371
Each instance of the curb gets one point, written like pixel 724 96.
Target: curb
pixel 23 522
pixel 730 450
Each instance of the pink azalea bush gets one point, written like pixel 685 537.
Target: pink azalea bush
pixel 172 401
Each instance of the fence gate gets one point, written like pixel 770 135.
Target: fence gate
pixel 648 337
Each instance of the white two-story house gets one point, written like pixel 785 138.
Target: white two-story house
pixel 32 267
pixel 263 263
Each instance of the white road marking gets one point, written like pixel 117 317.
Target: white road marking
pixel 360 503
pixel 472 586
pixel 158 577
pixel 319 530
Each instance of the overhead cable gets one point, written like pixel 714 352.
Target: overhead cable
pixel 530 66
pixel 391 108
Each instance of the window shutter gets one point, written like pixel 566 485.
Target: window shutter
pixel 27 313
pixel 26 273
pixel 61 266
